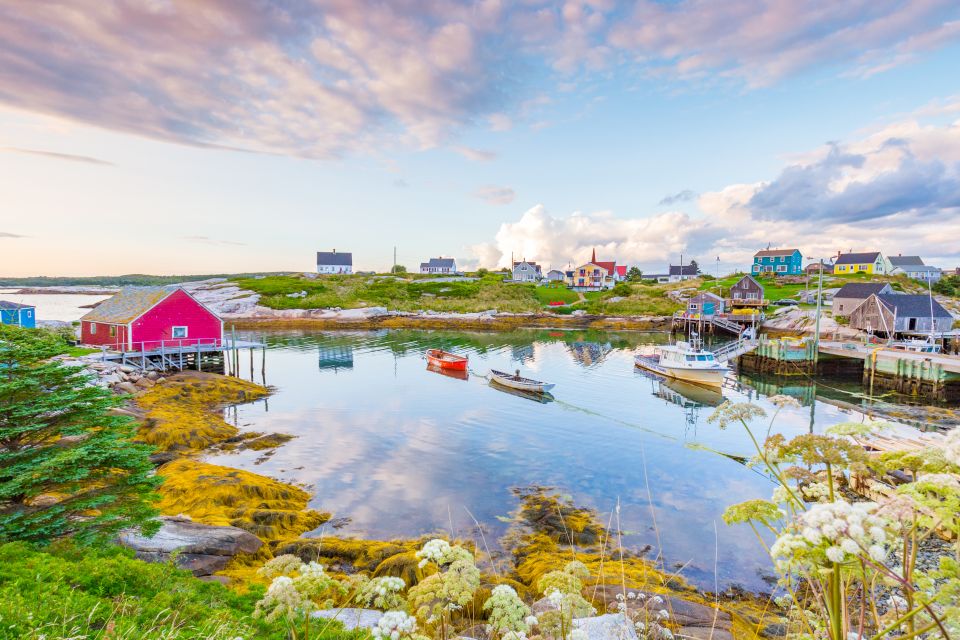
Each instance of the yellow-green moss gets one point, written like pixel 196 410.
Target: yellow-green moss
pixel 267 508
pixel 184 414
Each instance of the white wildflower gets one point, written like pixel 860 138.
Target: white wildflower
pixel 578 634
pixel 531 621
pixel 782 401
pixel 394 625
pixel 951 447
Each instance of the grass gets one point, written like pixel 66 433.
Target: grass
pixel 68 592
pixel 774 289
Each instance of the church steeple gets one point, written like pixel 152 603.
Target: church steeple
pixel 593 258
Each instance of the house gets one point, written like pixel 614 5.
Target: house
pixel 679 273
pixel 852 294
pixel 333 262
pixel 524 271
pixel 618 273
pixel 814 268
pixel 899 313
pixel 590 276
pixel 913 267
pixel 555 275
pixel 705 303
pixel 439 265
pixel 870 262
pixel 746 294
pixel 659 278
pixel 781 262
pixel 147 318
pixel 21 315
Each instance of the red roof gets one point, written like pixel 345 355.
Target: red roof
pixel 609 266
pixel 622 270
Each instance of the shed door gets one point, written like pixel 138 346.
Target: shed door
pixel 912 326
pixel 709 308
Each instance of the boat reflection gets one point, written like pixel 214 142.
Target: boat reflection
pixel 689 397
pixel 450 373
pixel 542 398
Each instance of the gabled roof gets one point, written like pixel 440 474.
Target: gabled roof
pixel 705 294
pixel 913 306
pixel 128 304
pixel 683 270
pixel 532 264
pixel 903 261
pixel 439 263
pixel 14 306
pixel 334 258
pixel 622 270
pixel 858 258
pixel 768 253
pixel 751 279
pixel 609 266
pixel 860 290
pixel 917 268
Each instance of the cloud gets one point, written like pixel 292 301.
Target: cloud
pixel 682 196
pixel 493 194
pixel 209 240
pixel 477 155
pixel 7 234
pixel 761 42
pixel 60 156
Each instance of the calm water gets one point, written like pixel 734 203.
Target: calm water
pixel 66 307
pixel 400 450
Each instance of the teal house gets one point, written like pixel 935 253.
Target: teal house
pixel 780 262
pixel 22 315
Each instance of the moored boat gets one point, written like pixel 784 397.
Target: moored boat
pixel 446 360
pixel 516 381
pixel 459 374
pixel 684 361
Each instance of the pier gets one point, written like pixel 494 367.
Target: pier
pixel 730 323
pixel 178 355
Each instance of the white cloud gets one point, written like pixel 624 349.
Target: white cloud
pixel 493 194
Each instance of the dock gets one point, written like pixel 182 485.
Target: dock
pixel 178 355
pixel 733 324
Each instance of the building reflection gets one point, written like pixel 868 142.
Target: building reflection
pixel 335 357
pixel 589 353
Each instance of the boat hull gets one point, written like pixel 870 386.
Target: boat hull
pixel 446 360
pixel 530 386
pixel 712 377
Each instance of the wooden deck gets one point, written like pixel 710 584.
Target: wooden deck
pixel 946 363
pixel 174 354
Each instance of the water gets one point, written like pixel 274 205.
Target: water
pixel 66 307
pixel 402 451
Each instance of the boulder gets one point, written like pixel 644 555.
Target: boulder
pixel 144 383
pixel 351 618
pixel 610 626
pixel 125 387
pixel 201 548
pixel 704 633
pixel 152 375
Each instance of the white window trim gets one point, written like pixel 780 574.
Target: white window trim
pixel 173 332
pixel 93 328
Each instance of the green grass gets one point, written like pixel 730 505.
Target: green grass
pixel 555 293
pixel 71 592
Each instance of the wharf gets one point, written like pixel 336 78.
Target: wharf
pixel 167 355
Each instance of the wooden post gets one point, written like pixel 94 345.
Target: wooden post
pixel 263 366
pixel 251 364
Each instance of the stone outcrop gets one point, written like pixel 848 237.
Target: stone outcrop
pixel 200 548
pixel 351 618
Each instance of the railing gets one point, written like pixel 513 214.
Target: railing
pixel 168 346
pixel 731 350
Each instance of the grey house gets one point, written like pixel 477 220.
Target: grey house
pixel 852 294
pixel 525 271
pixel 900 313
pixel 439 265
pixel 555 275
pixel 333 262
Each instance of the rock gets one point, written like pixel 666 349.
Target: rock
pixel 125 369
pixel 351 618
pixel 682 612
pixel 152 375
pixel 221 579
pixel 579 312
pixel 144 383
pixel 542 606
pixel 110 379
pixel 704 633
pixel 610 626
pixel 201 548
pixel 774 630
pixel 615 299
pixel 125 387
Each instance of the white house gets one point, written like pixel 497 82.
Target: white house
pixel 439 265
pixel 679 273
pixel 524 271
pixel 555 275
pixel 913 267
pixel 333 262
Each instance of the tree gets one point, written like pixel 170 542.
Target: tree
pixel 68 467
pixel 634 274
pixel 398 268
pixel 696 267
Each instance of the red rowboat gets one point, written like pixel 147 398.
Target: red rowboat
pixel 446 360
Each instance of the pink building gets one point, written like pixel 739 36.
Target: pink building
pixel 148 318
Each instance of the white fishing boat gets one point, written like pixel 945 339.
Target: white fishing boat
pixel 916 346
pixel 684 361
pixel 515 381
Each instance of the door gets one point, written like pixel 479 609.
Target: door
pixel 709 308
pixel 912 325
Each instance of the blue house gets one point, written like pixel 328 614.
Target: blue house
pixel 22 315
pixel 781 262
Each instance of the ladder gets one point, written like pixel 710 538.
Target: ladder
pixel 735 349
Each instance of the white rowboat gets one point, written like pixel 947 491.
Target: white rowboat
pixel 515 381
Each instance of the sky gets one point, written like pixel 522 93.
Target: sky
pixel 222 136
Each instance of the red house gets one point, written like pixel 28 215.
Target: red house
pixel 148 318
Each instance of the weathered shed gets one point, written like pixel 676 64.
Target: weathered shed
pixel 705 303
pixel 900 313
pixel 852 294
pixel 21 315
pixel 747 292
pixel 148 318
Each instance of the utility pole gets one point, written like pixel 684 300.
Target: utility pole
pixel 394 258
pixel 816 344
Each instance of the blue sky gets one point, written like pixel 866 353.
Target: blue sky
pixel 165 136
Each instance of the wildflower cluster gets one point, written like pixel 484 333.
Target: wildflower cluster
pixel 451 588
pixel 280 566
pixel 507 610
pixel 314 584
pixel 563 590
pixel 296 589
pixel 382 593
pixel 646 614
pixel 394 625
pixel 282 600
pixel 951 447
pixel 833 532
pixel 440 552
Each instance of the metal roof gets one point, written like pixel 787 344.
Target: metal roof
pixel 766 253
pixel 334 258
pixel 903 261
pixel 439 263
pixel 10 306
pixel 913 306
pixel 860 290
pixel 683 270
pixel 858 258
pixel 128 304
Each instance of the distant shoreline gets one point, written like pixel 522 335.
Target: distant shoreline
pixel 504 322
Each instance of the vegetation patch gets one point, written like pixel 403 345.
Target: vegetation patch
pixel 184 414
pixel 211 494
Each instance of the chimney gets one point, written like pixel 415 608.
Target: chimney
pixel 334 252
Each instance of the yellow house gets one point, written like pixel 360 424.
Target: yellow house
pixel 870 262
pixel 590 275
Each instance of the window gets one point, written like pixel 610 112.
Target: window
pixel 702 358
pixel 691 358
pixel 179 332
pixel 113 331
pixel 694 306
pixel 93 328
pixel 781 268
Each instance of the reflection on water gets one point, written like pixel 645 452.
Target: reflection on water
pixel 65 307
pixel 401 450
